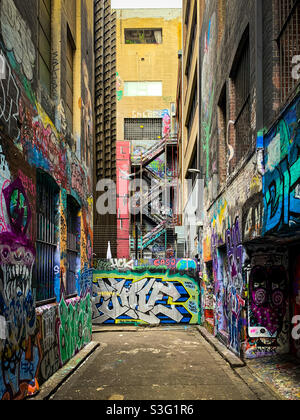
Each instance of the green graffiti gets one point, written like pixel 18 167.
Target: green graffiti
pixel 207 132
pixel 75 329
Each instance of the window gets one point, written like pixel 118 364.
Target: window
pixel 73 244
pixel 46 244
pixel 289 44
pixel 143 89
pixel 143 128
pixel 190 55
pixel 192 112
pixel 44 44
pixel 241 81
pixel 70 79
pixel 143 36
pixel 194 165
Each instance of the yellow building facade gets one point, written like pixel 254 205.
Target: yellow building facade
pixel 146 67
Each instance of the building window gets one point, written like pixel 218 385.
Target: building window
pixel 241 82
pixel 73 244
pixel 191 47
pixel 46 243
pixel 44 44
pixel 70 79
pixel 143 36
pixel 289 45
pixel 143 128
pixel 192 112
pixel 143 89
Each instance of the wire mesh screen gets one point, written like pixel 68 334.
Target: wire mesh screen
pixel 143 128
pixel 242 90
pixel 289 44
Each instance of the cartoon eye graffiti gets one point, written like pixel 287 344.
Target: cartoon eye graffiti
pixel 17 206
pixel 260 296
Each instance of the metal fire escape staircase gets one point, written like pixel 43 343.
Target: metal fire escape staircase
pixel 162 219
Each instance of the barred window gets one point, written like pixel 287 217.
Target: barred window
pixel 143 128
pixel 73 244
pixel 241 81
pixel 46 243
pixel 289 45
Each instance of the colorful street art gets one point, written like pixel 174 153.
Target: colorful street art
pixel 268 329
pixel 145 297
pixel 19 355
pixel 281 181
pixel 35 342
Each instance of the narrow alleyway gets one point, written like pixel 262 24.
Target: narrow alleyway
pixel 171 363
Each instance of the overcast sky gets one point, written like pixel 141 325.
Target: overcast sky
pixel 148 4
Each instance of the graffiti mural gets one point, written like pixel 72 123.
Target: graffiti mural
pixel 281 182
pixel 17 37
pixel 19 355
pixel 145 298
pixel 75 326
pixel 268 305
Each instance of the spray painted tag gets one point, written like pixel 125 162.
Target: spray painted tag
pixel 2 328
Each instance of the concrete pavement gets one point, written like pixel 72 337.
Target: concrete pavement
pixel 157 364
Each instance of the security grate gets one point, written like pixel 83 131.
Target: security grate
pixel 289 44
pixel 73 244
pixel 143 128
pixel 46 244
pixel 243 116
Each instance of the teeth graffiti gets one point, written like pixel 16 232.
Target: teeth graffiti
pixel 16 280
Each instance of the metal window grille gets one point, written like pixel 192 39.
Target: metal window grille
pixel 143 36
pixel 143 128
pixel 289 44
pixel 243 112
pixel 73 244
pixel 47 196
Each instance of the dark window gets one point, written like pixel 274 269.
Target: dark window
pixel 143 128
pixel 187 12
pixel 46 244
pixel 44 44
pixel 192 112
pixel 289 44
pixel 73 244
pixel 192 43
pixel 70 79
pixel 241 80
pixel 143 36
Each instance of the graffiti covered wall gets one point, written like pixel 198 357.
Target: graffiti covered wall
pixel 145 297
pixel 281 181
pixel 35 138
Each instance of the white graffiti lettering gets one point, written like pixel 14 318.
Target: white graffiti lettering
pixel 113 299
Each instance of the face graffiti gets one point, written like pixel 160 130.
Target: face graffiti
pixel 17 257
pixel 268 292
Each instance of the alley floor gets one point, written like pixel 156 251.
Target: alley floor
pixel 158 364
pixel 281 373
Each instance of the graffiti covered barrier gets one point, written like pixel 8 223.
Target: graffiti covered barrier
pixel 149 297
